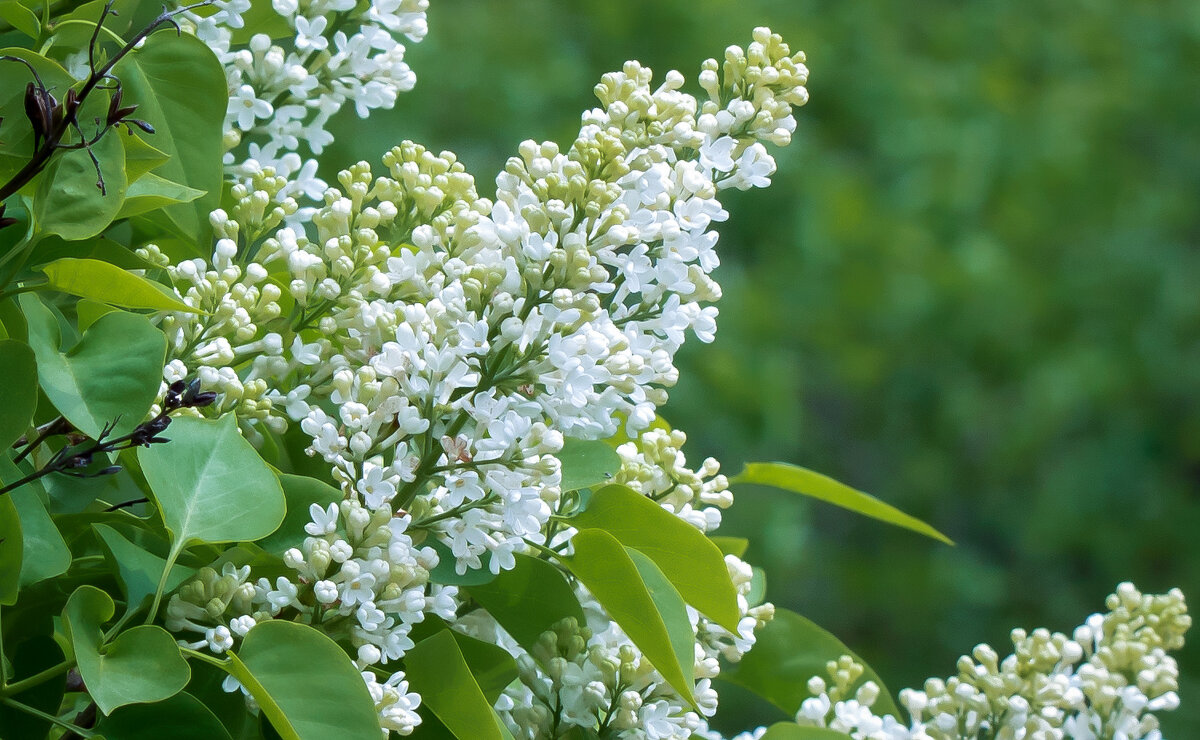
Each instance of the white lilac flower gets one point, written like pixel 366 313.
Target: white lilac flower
pixel 439 346
pixel 1104 681
pixel 284 89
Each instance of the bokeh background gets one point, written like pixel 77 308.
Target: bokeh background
pixel 973 290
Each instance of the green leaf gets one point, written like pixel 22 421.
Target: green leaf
pixel 437 670
pixel 689 559
pixel 587 463
pixel 16 134
pixel 786 654
pixel 109 284
pixel 142 665
pixel 18 390
pixel 179 88
pixel 88 312
pixel 758 587
pixel 305 684
pixel 735 546
pixel 793 731
pixel 491 665
pixel 53 248
pixel 670 606
pixel 301 492
pixel 45 554
pixel 68 202
pixel 210 484
pixel 11 552
pixel 809 483
pixel 111 375
pixel 181 717
pixel 137 569
pixel 33 656
pixel 140 158
pixel 603 564
pixel 151 193
pixel 21 18
pixel 529 599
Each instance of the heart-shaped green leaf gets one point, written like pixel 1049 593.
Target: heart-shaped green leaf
pixel 603 565
pixel 179 87
pixel 815 485
pixel 210 484
pixel 587 463
pixel 305 684
pixel 437 670
pixel 142 665
pixel 786 654
pixel 181 717
pixel 689 559
pixel 529 599
pixel 18 390
pixel 106 283
pixel 112 374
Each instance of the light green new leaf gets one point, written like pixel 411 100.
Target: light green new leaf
pixel 306 685
pixel 138 570
pixel 210 484
pixel 670 607
pixel 68 201
pixel 605 567
pixel 11 552
pixel 491 665
pixel 21 18
pixel 45 554
pixel 301 492
pixel 181 717
pixel 787 653
pixel 106 283
pixel 587 463
pixel 18 390
pixel 140 158
pixel 529 599
pixel 689 559
pixel 142 665
pixel 793 731
pixel 815 485
pixel 179 88
pixel 112 374
pixel 151 193
pixel 437 670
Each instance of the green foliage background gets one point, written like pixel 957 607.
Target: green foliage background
pixel 972 291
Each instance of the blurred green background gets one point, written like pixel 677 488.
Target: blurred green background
pixel 972 291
